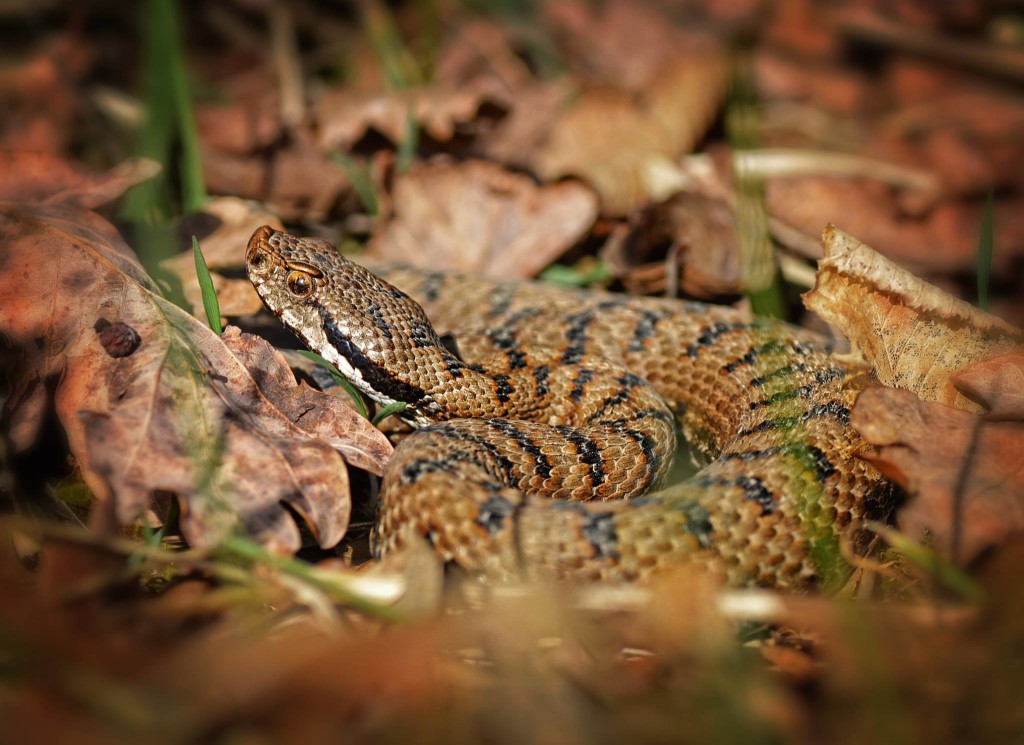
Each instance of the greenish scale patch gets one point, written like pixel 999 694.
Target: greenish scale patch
pixel 784 411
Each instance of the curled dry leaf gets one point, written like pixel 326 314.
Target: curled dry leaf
pixel 153 402
pixel 962 471
pixel 914 335
pixel 702 253
pixel 477 217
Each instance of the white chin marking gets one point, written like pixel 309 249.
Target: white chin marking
pixel 356 378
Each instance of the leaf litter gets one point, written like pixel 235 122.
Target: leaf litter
pixel 579 124
pixel 153 402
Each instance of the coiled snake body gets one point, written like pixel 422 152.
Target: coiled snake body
pixel 556 396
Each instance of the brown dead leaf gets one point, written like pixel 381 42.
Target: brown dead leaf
pixel 964 474
pixel 344 116
pixel 625 148
pixel 299 182
pixel 480 56
pixel 477 217
pixel 321 415
pixel 606 140
pixel 998 384
pixel 42 92
pixel 620 43
pixel 532 111
pixel 240 127
pixel 914 335
pixel 687 242
pixel 152 401
pixel 47 179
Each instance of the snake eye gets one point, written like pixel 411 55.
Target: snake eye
pixel 300 284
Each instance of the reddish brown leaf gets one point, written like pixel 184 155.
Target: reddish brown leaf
pixel 153 401
pixel 477 217
pixel 344 116
pixel 964 474
pixel 620 43
pixel 998 383
pixel 323 416
pixel 44 178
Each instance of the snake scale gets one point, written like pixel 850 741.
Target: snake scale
pixel 540 430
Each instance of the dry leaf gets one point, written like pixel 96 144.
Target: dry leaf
pixel 626 149
pixel 620 43
pixel 299 182
pixel 532 111
pixel 605 140
pixel 46 179
pixel 914 335
pixel 477 217
pixel 324 416
pixel 240 127
pixel 964 473
pixel 152 401
pixel 998 384
pixel 480 56
pixel 687 243
pixel 344 116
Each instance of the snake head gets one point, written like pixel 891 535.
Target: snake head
pixel 375 334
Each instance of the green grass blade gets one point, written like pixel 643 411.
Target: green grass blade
pixel 944 572
pixel 193 188
pixel 340 380
pixel 334 586
pixel 578 275
pixel 407 147
pixel 210 302
pixel 394 407
pixel 360 178
pixel 986 240
pixel 757 255
pixel 396 61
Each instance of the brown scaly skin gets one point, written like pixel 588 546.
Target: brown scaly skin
pixel 573 395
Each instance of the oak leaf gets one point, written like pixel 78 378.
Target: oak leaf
pixel 153 402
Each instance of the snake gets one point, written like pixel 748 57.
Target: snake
pixel 545 422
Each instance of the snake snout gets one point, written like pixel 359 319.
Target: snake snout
pixel 256 250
